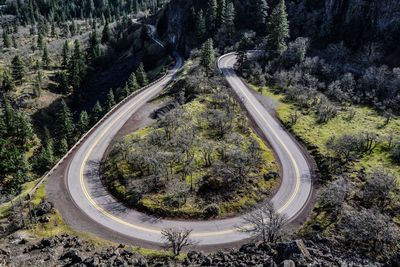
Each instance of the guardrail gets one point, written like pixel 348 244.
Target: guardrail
pixel 91 130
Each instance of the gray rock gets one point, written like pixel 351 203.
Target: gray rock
pixel 288 263
pixel 73 256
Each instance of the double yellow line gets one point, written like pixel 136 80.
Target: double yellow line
pixel 158 231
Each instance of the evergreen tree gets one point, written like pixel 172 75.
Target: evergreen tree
pixel 14 41
pixel 6 39
pixel 63 147
pixel 45 57
pixel 94 46
pixel 220 12
pixel 106 35
pixel 37 89
pixel 141 75
pixel 17 69
pixel 278 27
pixel 200 26
pixel 83 123
pixel 77 67
pixel 7 82
pixel 97 112
pixel 211 15
pixel 65 55
pixel 62 82
pixel 110 100
pixel 242 51
pixel 261 15
pixel 24 134
pixel 8 117
pixel 44 160
pixel 132 83
pixel 208 56
pixel 228 24
pixel 53 30
pixel 125 92
pixel 40 41
pixel 65 124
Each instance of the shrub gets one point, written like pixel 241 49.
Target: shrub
pixel 396 153
pixel 212 210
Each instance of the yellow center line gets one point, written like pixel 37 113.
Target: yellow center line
pixel 158 231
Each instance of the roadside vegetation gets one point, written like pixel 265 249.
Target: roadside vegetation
pixel 200 159
pixel 54 85
pixel 349 122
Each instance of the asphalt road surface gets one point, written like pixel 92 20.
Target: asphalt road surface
pixel 90 196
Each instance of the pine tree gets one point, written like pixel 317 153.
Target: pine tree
pixel 106 35
pixel 23 131
pixel 45 159
pixel 208 56
pixel 261 15
pixel 63 84
pixel 37 89
pixel 39 43
pixel 97 112
pixel 132 83
pixel 63 147
pixel 125 92
pixel 65 124
pixel 200 26
pixel 211 15
pixel 6 39
pixel 45 57
pixel 94 46
pixel 228 24
pixel 53 30
pixel 83 123
pixel 141 75
pixel 110 100
pixel 7 82
pixel 77 67
pixel 17 68
pixel 278 27
pixel 14 41
pixel 242 51
pixel 220 12
pixel 8 117
pixel 65 55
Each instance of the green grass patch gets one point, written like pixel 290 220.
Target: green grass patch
pixel 365 119
pixel 26 188
pixel 123 178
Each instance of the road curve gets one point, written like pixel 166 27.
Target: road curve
pixel 90 196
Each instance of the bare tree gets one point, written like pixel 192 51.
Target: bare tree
pixel 369 231
pixel 265 224
pixel 380 190
pixel 176 240
pixel 334 195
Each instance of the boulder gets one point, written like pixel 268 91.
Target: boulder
pixel 74 256
pixel 288 263
pixel 43 208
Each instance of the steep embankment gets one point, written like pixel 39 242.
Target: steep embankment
pixel 356 22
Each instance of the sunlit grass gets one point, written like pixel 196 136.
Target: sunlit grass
pixel 365 120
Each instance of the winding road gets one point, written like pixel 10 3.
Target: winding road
pixel 92 199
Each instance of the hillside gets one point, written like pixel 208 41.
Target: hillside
pixel 204 133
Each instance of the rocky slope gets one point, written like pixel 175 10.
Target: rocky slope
pixel 356 22
pixel 68 250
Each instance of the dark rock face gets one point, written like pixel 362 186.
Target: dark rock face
pixel 354 21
